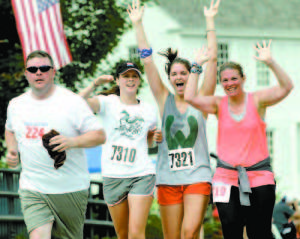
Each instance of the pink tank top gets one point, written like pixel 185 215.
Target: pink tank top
pixel 242 143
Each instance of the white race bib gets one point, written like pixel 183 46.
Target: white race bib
pixel 123 155
pixel 221 192
pixel 181 159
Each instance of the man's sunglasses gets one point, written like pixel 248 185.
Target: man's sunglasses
pixel 34 69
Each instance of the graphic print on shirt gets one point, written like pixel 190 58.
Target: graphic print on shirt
pixel 181 158
pixel 130 126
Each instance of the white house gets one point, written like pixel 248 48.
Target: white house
pixel 239 24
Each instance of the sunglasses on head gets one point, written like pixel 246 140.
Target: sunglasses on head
pixel 34 69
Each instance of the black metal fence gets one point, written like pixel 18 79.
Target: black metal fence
pixel 98 223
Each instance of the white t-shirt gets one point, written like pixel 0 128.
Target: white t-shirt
pixel 125 153
pixel 29 118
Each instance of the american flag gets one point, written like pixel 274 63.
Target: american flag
pixel 40 27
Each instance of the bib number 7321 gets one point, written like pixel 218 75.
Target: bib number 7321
pixel 123 155
pixel 181 159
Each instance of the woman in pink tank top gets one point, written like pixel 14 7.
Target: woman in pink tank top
pixel 243 184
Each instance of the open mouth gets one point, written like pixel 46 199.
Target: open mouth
pixel 179 84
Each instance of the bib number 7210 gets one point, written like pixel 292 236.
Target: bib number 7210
pixel 181 159
pixel 123 155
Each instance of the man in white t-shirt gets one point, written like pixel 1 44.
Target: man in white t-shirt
pixel 53 200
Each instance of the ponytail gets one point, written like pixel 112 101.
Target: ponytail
pixel 114 90
pixel 172 58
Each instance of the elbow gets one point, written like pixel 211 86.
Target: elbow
pixel 289 87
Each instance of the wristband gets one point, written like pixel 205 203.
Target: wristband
pixel 145 52
pixel 196 68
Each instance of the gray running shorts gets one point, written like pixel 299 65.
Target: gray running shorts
pixel 116 190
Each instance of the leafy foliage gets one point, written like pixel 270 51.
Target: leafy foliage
pixel 93 29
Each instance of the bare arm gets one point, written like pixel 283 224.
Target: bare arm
pixel 159 91
pixel 210 78
pixel 274 94
pixel 12 157
pixel 207 104
pixel 85 93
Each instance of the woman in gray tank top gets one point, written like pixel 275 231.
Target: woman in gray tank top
pixel 183 168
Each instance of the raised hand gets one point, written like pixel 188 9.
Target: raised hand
pixel 103 79
pixel 212 10
pixel 135 12
pixel 264 52
pixel 202 55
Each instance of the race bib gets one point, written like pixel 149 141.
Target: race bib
pixel 123 155
pixel 32 133
pixel 181 159
pixel 221 192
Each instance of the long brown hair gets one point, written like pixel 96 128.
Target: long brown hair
pixel 114 90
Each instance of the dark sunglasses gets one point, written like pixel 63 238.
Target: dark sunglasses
pixel 34 69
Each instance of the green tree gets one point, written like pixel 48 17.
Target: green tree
pixel 93 28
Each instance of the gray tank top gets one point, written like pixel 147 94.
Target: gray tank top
pixel 183 154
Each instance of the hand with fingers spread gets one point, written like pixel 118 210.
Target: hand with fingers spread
pixel 212 10
pixel 135 12
pixel 264 52
pixel 202 55
pixel 12 158
pixel 103 79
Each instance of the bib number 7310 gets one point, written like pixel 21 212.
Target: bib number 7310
pixel 123 155
pixel 181 159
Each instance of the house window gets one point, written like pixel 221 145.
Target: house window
pixel 262 72
pixel 222 56
pixel 133 54
pixel 222 53
pixel 270 138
